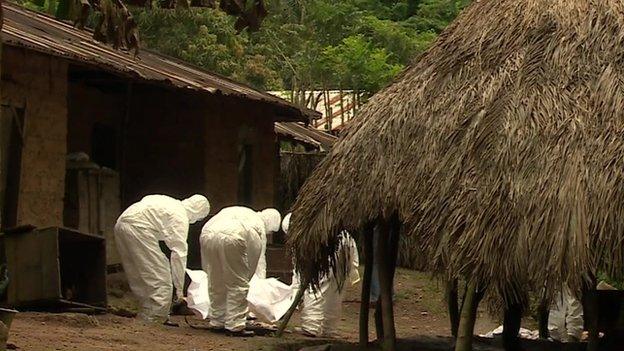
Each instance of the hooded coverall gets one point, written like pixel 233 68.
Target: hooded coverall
pixel 322 309
pixel 232 243
pixel 137 233
pixel 565 320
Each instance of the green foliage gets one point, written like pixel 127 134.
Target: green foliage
pixel 61 9
pixel 614 283
pixel 302 45
pixel 359 64
pixel 205 37
pixel 435 15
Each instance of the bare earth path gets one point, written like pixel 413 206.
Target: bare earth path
pixel 419 310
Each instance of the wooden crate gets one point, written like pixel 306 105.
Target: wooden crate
pixel 56 267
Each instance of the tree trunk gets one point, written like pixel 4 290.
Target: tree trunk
pixel 468 318
pixel 367 239
pixel 385 282
pixel 511 327
pixel 453 305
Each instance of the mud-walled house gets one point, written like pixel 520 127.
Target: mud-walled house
pixel 88 130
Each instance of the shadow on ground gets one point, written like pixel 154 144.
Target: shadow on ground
pixel 431 343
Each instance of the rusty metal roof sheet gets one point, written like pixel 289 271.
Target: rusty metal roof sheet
pixel 40 32
pixel 300 132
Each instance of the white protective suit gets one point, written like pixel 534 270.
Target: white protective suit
pixel 137 233
pixel 271 219
pixel 296 281
pixel 322 309
pixel 232 243
pixel 565 320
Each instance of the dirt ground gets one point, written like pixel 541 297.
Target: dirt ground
pixel 419 310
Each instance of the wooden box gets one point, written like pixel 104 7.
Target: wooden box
pixel 56 267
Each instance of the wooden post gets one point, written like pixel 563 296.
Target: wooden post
pixel 342 114
pixel 453 305
pixel 367 240
pixel 511 327
pixel 378 320
pixel 385 282
pixel 543 310
pixel 302 288
pixel 468 318
pixel 393 245
pixel 590 312
pixel 379 332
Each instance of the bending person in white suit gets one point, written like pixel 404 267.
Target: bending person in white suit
pixel 232 243
pixel 150 274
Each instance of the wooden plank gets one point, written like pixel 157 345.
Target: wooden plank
pixel 50 270
pixel 32 263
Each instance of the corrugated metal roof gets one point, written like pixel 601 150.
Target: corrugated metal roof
pixel 40 32
pixel 308 135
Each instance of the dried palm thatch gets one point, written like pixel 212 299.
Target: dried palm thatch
pixel 115 25
pixel 501 149
pixel 295 168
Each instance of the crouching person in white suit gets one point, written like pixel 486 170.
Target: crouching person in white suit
pixel 232 243
pixel 137 233
pixel 322 309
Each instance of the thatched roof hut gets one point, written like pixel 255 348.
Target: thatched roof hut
pixel 501 149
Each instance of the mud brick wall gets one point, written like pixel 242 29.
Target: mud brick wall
pixel 38 84
pixel 181 144
pixel 231 124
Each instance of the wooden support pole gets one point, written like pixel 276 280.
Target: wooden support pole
pixel 453 305
pixel 367 240
pixel 590 313
pixel 302 288
pixel 468 318
pixel 385 282
pixel 543 311
pixel 511 327
pixel 379 332
pixel 393 245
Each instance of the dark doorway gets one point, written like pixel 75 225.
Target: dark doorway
pixel 104 145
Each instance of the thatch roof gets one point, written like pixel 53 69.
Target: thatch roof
pixel 501 148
